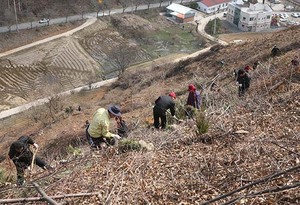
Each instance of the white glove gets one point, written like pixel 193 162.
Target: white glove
pixel 36 145
pixel 240 85
pixel 116 136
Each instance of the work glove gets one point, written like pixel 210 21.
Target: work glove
pixel 116 136
pixel 240 85
pixel 36 145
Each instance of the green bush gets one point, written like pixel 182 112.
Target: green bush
pixel 69 110
pixel 74 150
pixel 202 123
pixel 129 145
pixel 180 110
pixel 193 5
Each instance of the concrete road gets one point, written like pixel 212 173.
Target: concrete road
pixel 53 21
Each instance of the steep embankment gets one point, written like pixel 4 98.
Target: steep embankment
pixel 249 138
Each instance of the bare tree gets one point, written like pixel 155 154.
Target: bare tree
pixel 108 4
pixel 125 4
pixel 160 2
pixel 122 56
pixel 137 3
pixel 148 3
pixel 9 16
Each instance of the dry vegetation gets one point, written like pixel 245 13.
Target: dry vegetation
pixel 249 140
pixel 83 58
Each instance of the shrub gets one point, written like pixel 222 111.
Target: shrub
pixel 129 145
pixel 69 110
pixel 182 109
pixel 201 123
pixel 193 5
pixel 74 150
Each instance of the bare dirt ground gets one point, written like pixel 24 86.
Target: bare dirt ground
pixel 243 36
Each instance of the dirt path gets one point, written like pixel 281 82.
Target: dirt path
pixel 68 33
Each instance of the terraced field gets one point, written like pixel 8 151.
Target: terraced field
pixel 62 62
pixel 99 43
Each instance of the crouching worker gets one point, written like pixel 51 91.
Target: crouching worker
pixel 162 104
pixel 22 157
pixel 98 130
pixel 243 81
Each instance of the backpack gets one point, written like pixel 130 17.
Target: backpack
pixel 123 129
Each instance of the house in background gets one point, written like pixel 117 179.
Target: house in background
pixel 249 17
pixel 181 14
pixel 211 6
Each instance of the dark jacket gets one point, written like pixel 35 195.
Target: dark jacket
pixel 275 51
pixel 244 80
pixel 163 103
pixel 295 62
pixel 23 158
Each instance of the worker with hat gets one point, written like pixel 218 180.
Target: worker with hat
pixel 97 131
pixel 162 104
pixel 194 97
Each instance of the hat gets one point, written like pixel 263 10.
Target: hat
pixel 191 87
pixel 247 68
pixel 17 145
pixel 172 94
pixel 241 71
pixel 115 110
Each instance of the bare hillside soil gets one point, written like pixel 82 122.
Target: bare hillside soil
pixel 250 154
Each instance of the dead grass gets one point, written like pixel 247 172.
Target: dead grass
pixel 23 37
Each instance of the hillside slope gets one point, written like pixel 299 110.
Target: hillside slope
pixel 249 138
pixel 88 55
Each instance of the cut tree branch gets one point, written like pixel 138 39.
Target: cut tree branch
pixel 265 179
pixel 44 195
pixel 265 191
pixel 285 148
pixel 7 201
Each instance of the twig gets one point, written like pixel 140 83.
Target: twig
pixel 7 201
pixel 291 75
pixel 267 178
pixel 44 195
pixel 265 191
pixel 285 148
pixel 275 189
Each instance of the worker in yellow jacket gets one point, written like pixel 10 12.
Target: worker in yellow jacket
pixel 97 131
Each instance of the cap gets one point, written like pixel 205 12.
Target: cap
pixel 172 94
pixel 191 87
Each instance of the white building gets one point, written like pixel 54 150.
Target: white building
pixel 181 13
pixel 211 6
pixel 249 17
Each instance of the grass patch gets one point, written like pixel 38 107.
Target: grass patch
pixel 172 40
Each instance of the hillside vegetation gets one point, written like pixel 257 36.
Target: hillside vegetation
pixel 250 139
